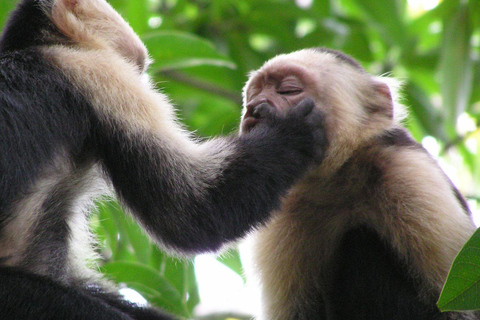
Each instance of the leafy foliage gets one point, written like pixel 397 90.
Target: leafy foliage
pixel 203 50
pixel 463 282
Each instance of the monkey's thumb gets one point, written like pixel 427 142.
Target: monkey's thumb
pixel 303 108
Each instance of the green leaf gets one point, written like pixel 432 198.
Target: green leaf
pixel 424 111
pixel 174 50
pixel 456 67
pixel 203 111
pixel 137 15
pixel 462 288
pixel 232 259
pixel 193 292
pixel 6 6
pixel 321 8
pixel 115 222
pixel 388 18
pixel 107 226
pixel 149 283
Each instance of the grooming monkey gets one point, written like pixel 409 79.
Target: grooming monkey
pixel 76 111
pixel 371 232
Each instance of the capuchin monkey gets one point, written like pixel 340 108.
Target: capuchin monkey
pixel 372 231
pixel 76 111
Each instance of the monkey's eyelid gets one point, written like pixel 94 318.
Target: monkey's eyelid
pixel 290 86
pixel 289 91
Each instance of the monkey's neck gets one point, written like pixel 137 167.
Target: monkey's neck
pixel 341 150
pixel 336 156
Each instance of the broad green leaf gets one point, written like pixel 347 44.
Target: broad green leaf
pixel 232 259
pixel 6 6
pixel 321 8
pixel 388 18
pixel 124 232
pixel 181 275
pixel 107 225
pixel 123 249
pixel 149 283
pixel 468 158
pixel 174 50
pixel 176 271
pixel 456 67
pixel 135 236
pixel 193 292
pixel 132 272
pixel 442 10
pixel 424 111
pixel 462 288
pixel 202 111
pixel 156 258
pixel 354 39
pixel 137 15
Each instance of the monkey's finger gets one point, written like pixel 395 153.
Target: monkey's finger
pixel 303 108
pixel 264 111
pixel 315 121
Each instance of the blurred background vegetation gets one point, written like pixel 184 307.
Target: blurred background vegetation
pixel 204 49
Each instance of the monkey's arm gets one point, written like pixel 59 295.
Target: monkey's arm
pixel 188 195
pixel 198 198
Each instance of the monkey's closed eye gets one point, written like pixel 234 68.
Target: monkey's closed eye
pixel 289 91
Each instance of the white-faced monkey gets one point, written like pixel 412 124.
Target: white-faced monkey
pixel 371 232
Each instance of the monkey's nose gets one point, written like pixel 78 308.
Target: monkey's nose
pixel 253 105
pixel 252 117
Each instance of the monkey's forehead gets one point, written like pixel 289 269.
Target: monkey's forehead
pixel 306 65
pixel 305 57
pixel 314 58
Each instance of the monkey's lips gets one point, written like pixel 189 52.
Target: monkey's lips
pixel 255 114
pixel 249 122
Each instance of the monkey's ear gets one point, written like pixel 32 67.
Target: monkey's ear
pixel 381 102
pixel 383 89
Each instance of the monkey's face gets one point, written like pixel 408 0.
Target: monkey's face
pixel 355 104
pixel 281 86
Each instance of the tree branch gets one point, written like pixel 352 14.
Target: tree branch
pixel 202 85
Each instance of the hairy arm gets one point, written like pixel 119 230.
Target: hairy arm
pixel 198 198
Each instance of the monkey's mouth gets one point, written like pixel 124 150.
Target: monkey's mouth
pixel 250 120
pixel 256 114
pixel 249 123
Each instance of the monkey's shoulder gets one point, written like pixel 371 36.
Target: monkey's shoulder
pixel 388 164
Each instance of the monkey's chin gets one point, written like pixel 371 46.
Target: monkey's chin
pixel 248 124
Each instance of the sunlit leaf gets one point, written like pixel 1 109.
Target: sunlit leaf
pixel 423 109
pixel 137 15
pixel 117 224
pixel 462 288
pixel 193 292
pixel 174 50
pixel 5 7
pixel 232 260
pixel 149 283
pixel 456 67
pixel 388 18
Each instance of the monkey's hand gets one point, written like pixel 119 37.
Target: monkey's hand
pixel 302 126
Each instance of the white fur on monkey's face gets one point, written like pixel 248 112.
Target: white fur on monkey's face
pixel 282 82
pixel 354 102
